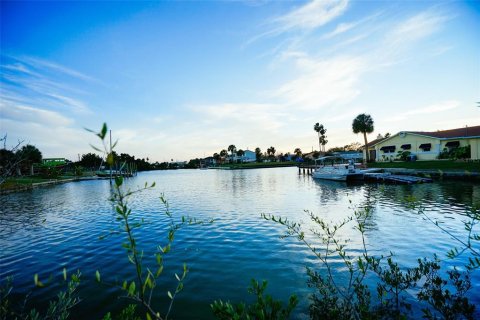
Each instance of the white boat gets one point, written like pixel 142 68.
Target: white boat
pixel 338 171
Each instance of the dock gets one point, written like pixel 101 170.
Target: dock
pixel 395 178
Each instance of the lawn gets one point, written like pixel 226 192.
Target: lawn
pixel 430 165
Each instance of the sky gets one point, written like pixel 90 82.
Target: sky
pixel 184 79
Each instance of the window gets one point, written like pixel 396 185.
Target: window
pixel 425 146
pixel 452 144
pixel 406 146
pixel 388 149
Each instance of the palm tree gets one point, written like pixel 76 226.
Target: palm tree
pixel 223 153
pixel 240 153
pixel 298 152
pixel 232 150
pixel 258 154
pixel 271 151
pixel 363 123
pixel 321 136
pixel 217 157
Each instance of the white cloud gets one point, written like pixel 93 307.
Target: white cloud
pixel 305 18
pixel 75 105
pixel 312 15
pixel 430 109
pixel 341 28
pixel 44 64
pixel 322 82
pixel 23 113
pixel 438 107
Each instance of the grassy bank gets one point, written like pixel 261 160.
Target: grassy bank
pixel 443 165
pixel 27 182
pixel 257 165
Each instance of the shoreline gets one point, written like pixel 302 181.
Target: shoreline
pixel 436 174
pixel 19 188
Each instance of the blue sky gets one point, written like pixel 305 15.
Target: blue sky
pixel 179 80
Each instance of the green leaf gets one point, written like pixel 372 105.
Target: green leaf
pixel 131 288
pixel 180 287
pixel 110 159
pixel 103 132
pixel 176 276
pixel 169 295
pixel 97 276
pixel 65 274
pixel 124 285
pixel 118 181
pixel 148 316
pixel 159 271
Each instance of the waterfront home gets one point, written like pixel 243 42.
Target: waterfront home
pixel 207 162
pixel 248 156
pixel 426 145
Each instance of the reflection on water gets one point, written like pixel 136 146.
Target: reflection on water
pixel 43 230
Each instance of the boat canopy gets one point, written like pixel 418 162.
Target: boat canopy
pixel 329 159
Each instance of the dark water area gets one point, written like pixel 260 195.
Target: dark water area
pixel 46 229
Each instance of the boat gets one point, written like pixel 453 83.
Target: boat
pixel 338 171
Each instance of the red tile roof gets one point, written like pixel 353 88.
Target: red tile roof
pixel 452 133
pixel 371 143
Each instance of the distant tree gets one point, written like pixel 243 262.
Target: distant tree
pixel 217 157
pixel 240 154
pixel 336 149
pixel 232 150
pixel 271 152
pixel 223 153
pixel 29 155
pixel 9 162
pixel 354 146
pixel 91 160
pixel 387 135
pixel 258 154
pixel 298 152
pixel 363 123
pixel 316 154
pixel 320 129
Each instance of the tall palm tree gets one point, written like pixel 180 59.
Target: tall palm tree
pixel 258 154
pixel 363 123
pixel 240 154
pixel 271 151
pixel 320 129
pixel 223 153
pixel 232 150
pixel 216 156
pixel 298 152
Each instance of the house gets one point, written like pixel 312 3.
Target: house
pixel 249 156
pixel 207 162
pixel 426 145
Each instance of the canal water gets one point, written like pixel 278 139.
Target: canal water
pixel 46 229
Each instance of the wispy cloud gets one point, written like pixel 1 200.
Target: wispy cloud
pixel 23 82
pixel 44 64
pixel 438 107
pixel 312 15
pixel 430 109
pixel 22 113
pixel 341 28
pixel 305 18
pixel 322 82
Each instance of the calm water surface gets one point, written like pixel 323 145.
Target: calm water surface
pixel 44 230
